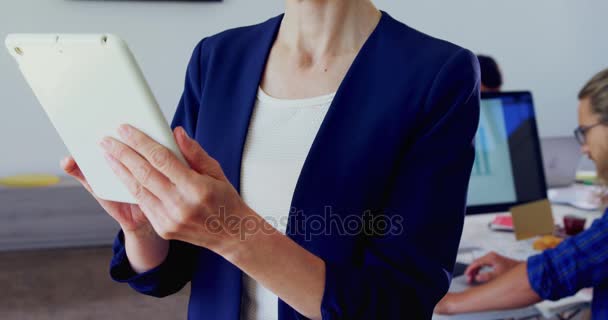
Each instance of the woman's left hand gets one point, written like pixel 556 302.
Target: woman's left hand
pixel 196 205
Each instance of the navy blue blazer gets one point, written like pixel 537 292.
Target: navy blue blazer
pixel 396 143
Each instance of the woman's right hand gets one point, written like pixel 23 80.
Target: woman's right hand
pixel 129 216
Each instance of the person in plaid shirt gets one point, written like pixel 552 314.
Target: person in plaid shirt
pixel 577 263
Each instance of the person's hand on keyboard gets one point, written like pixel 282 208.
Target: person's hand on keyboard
pixel 489 267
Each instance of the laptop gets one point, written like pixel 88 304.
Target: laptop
pixel 561 156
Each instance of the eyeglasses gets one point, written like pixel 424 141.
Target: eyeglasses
pixel 580 133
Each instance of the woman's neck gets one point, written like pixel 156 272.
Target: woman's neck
pixel 320 28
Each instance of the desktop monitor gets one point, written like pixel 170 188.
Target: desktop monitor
pixel 508 167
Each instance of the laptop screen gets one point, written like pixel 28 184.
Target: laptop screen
pixel 508 167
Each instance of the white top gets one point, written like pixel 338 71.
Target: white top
pixel 280 135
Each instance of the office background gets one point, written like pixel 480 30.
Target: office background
pixel 550 47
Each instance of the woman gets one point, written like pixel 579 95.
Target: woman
pixel 387 133
pixel 577 263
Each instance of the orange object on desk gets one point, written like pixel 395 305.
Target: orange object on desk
pixel 546 242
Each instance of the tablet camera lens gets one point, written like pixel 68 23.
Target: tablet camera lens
pixel 104 39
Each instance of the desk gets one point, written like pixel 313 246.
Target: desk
pixel 478 239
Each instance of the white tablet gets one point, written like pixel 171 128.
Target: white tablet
pixel 88 85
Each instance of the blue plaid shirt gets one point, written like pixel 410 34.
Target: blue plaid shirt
pixel 578 262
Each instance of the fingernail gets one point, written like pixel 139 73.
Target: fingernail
pixel 63 162
pixel 124 130
pixel 105 143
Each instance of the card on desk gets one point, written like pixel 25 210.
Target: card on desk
pixel 532 219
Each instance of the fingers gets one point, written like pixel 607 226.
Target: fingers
pixel 151 206
pixel 144 197
pixel 155 217
pixel 136 168
pixel 147 201
pixel 471 273
pixel 472 270
pixel 70 167
pixel 485 276
pixel 161 158
pixel 198 159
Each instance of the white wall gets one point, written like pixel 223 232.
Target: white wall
pixel 549 46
